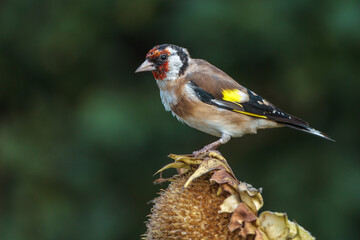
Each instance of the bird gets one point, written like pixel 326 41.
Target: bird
pixel 207 99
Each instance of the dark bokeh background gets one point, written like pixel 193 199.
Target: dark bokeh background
pixel 81 134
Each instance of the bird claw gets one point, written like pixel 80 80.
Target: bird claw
pixel 202 152
pixel 208 148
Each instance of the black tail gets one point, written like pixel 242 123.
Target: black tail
pixel 308 129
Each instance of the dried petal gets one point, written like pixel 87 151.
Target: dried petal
pixel 241 214
pixel 260 235
pixel 187 159
pixel 274 225
pixel 247 231
pixel 173 165
pixel 277 226
pixel 297 232
pixel 217 155
pixel 251 196
pixel 223 176
pixel 230 204
pixel 206 166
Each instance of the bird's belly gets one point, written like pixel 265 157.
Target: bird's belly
pixel 215 121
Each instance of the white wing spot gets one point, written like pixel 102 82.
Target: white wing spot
pixel 266 102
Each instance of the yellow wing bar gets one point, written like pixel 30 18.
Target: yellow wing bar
pixel 250 114
pixel 234 96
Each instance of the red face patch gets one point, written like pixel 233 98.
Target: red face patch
pixel 160 74
pixel 163 68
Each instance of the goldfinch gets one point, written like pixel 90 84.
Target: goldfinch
pixel 204 97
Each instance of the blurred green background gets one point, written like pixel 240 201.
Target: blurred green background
pixel 81 134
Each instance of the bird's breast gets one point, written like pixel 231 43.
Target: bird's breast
pixel 168 94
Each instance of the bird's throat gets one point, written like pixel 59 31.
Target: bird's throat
pixel 161 73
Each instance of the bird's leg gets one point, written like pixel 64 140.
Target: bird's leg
pixel 212 146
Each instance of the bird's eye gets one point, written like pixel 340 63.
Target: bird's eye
pixel 163 57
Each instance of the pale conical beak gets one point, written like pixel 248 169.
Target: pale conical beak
pixel 146 66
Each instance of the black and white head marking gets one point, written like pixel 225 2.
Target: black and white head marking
pixel 178 60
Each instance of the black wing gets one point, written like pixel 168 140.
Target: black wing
pixel 257 107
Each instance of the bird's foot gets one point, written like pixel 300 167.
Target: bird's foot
pixel 211 147
pixel 203 152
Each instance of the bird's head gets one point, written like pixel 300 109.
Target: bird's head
pixel 167 62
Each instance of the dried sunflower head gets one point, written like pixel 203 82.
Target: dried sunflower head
pixel 189 213
pixel 208 202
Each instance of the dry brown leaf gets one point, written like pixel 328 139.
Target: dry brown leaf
pixel 206 166
pixel 217 155
pixel 222 176
pixel 248 231
pixel 229 189
pixel 241 214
